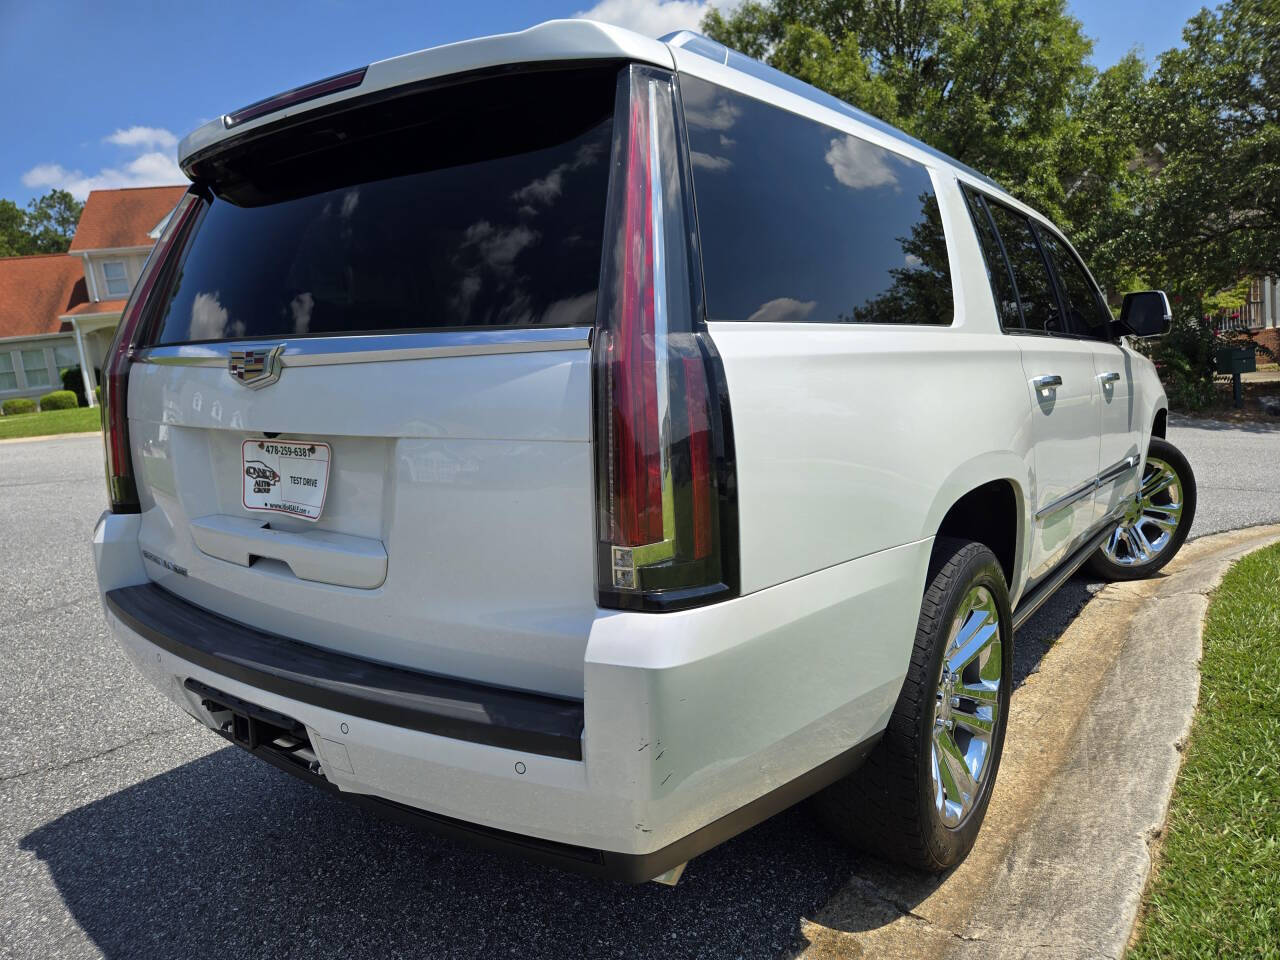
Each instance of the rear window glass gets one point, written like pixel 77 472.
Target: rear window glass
pixel 478 205
pixel 802 222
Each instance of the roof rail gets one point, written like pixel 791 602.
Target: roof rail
pixel 718 52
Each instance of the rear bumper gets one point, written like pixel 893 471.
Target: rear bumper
pixel 695 725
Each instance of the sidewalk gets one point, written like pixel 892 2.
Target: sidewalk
pixel 1091 756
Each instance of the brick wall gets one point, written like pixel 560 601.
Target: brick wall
pixel 1268 338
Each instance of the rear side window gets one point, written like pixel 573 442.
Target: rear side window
pixel 802 222
pixel 475 205
pixel 1087 316
pixel 997 267
pixel 1030 271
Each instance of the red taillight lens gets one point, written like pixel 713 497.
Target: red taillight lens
pixel 667 516
pixel 310 91
pixel 121 489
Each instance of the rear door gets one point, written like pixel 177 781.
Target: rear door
pixel 362 419
pixel 1063 396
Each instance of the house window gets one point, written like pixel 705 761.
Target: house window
pixel 117 278
pixel 36 369
pixel 8 378
pixel 65 356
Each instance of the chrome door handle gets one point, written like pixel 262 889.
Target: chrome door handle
pixel 1047 381
pixel 1111 377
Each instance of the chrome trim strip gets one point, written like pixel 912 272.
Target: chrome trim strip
pixel 376 348
pixel 1113 472
pixel 1118 470
pixel 1067 499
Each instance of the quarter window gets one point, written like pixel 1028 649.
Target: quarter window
pixel 1030 272
pixel 1087 315
pixel 802 222
pixel 997 266
pixel 36 368
pixel 117 278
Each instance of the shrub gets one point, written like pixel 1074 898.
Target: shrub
pixel 97 392
pixel 72 381
pixel 59 400
pixel 18 405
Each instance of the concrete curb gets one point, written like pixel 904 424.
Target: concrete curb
pixel 1092 754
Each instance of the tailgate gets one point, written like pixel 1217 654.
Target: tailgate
pixel 362 416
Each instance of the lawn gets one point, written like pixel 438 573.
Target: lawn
pixel 77 420
pixel 1217 888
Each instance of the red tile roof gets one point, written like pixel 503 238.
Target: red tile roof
pixel 124 217
pixel 103 306
pixel 35 291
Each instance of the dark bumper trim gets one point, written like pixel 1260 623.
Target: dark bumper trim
pixel 448 707
pixel 604 864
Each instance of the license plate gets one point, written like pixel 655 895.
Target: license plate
pixel 284 476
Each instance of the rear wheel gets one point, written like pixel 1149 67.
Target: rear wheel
pixel 1156 522
pixel 922 794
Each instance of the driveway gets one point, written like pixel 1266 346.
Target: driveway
pixel 128 831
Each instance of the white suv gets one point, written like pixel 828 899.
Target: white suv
pixel 591 445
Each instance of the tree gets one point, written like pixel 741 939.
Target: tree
pixel 1210 205
pixel 13 237
pixel 52 219
pixel 46 226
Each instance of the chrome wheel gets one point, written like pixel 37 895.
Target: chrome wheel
pixel 1151 520
pixel 967 706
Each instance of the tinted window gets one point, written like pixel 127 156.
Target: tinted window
pixel 473 206
pixel 1086 314
pixel 1030 272
pixel 801 222
pixel 997 267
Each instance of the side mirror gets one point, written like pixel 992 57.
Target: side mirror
pixel 1145 314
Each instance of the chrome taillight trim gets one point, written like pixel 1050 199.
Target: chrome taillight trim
pixel 376 348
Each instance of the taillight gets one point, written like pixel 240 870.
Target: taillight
pixel 121 489
pixel 667 522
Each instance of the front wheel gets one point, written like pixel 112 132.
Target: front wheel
pixel 1157 521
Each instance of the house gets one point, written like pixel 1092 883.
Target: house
pixel 61 310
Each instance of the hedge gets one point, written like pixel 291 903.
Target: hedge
pixel 18 405
pixel 59 400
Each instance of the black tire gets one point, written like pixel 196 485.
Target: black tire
pixel 887 807
pixel 1163 451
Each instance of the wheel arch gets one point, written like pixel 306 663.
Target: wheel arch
pixel 1160 425
pixel 986 500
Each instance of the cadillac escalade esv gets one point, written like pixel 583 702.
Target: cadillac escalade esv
pixel 591 445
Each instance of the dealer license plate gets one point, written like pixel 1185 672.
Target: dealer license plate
pixel 283 476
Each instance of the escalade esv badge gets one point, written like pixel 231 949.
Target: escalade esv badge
pixel 255 368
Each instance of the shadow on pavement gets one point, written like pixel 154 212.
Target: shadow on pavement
pixel 225 856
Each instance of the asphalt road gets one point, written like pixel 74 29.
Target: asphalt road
pixel 128 831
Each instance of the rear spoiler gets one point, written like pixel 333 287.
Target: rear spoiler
pixel 555 40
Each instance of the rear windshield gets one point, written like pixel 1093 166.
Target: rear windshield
pixel 477 205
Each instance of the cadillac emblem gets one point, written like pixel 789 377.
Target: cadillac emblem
pixel 255 368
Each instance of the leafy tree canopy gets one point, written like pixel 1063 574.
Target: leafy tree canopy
pixel 46 226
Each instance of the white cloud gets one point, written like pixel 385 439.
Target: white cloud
pixel 209 319
pixel 145 138
pixel 153 165
pixel 708 162
pixel 783 310
pixel 859 164
pixel 655 18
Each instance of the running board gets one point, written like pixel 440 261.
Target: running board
pixel 1046 588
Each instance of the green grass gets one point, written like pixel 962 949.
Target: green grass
pixel 79 420
pixel 1217 887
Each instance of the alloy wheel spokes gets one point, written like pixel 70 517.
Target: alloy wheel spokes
pixel 1148 529
pixel 967 707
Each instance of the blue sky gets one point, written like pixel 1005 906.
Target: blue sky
pixel 97 94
